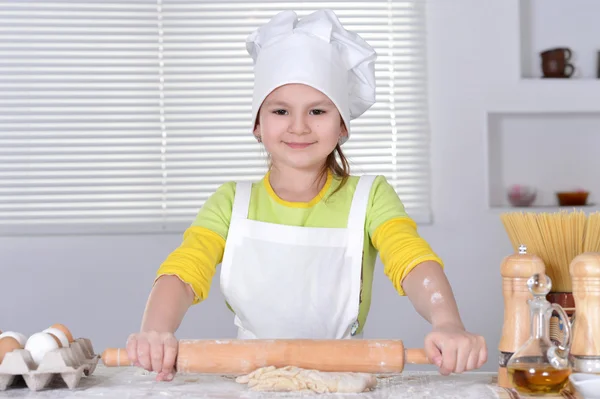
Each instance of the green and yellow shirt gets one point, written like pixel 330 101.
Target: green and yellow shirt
pixel 388 230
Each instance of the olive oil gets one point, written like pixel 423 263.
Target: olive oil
pixel 538 378
pixel 540 367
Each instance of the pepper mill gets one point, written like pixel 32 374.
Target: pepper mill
pixel 516 269
pixel 585 280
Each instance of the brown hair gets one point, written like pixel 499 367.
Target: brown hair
pixel 340 170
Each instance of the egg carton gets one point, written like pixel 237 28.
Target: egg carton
pixel 69 364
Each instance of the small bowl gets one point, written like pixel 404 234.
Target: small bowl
pixel 521 196
pixel 572 198
pixel 587 385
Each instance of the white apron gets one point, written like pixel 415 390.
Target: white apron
pixel 289 282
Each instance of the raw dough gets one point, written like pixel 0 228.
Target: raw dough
pixel 293 378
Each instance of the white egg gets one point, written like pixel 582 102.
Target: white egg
pixel 21 339
pixel 62 337
pixel 39 344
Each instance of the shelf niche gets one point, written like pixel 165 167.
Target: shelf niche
pixel 549 151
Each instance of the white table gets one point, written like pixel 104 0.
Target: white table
pixel 136 383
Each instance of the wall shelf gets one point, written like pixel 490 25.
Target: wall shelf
pixel 550 209
pixel 546 96
pixel 568 95
pixel 545 132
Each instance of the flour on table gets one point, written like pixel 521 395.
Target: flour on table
pixel 293 378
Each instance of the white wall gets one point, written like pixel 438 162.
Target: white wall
pixel 98 285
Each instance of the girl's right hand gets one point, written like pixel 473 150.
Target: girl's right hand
pixel 154 351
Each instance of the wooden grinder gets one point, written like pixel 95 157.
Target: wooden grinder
pixel 516 269
pixel 585 279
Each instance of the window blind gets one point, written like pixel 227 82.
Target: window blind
pixel 125 116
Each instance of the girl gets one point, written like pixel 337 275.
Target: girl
pixel 298 248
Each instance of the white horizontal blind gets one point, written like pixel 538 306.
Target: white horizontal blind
pixel 80 132
pixel 125 116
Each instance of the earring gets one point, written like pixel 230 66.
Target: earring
pixel 259 139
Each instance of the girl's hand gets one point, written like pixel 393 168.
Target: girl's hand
pixel 154 351
pixel 455 350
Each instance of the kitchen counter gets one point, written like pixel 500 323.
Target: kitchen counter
pixel 136 383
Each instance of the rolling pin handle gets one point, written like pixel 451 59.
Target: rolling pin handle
pixel 115 357
pixel 416 356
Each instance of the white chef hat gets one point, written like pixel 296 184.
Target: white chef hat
pixel 319 52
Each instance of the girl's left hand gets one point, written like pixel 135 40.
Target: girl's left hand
pixel 455 350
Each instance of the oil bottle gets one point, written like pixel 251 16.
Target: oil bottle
pixel 539 366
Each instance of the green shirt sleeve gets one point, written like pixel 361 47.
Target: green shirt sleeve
pixel 215 214
pixel 384 204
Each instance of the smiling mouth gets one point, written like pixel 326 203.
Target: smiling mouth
pixel 298 145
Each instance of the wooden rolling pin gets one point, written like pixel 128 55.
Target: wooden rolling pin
pixel 244 356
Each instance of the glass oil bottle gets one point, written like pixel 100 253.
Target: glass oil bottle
pixel 540 367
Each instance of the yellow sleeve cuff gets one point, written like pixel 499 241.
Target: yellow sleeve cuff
pixel 195 260
pixel 401 249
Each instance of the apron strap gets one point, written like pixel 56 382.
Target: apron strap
pixel 358 211
pixel 241 200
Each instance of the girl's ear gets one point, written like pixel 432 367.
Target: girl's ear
pixel 344 130
pixel 256 130
pixel 257 123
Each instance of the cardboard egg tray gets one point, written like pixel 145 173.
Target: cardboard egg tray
pixel 69 364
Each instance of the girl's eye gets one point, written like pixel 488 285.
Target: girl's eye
pixel 280 112
pixel 317 112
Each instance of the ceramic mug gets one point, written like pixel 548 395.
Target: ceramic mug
pixel 555 63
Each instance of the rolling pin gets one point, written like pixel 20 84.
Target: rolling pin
pixel 237 356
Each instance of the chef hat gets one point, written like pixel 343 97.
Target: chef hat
pixel 316 51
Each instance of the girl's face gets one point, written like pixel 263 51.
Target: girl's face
pixel 299 126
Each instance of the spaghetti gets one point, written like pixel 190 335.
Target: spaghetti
pixel 556 238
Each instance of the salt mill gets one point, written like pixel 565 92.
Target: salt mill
pixel 585 280
pixel 516 269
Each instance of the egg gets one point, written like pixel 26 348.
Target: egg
pixel 8 344
pixel 22 339
pixel 64 329
pixel 58 334
pixel 41 343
